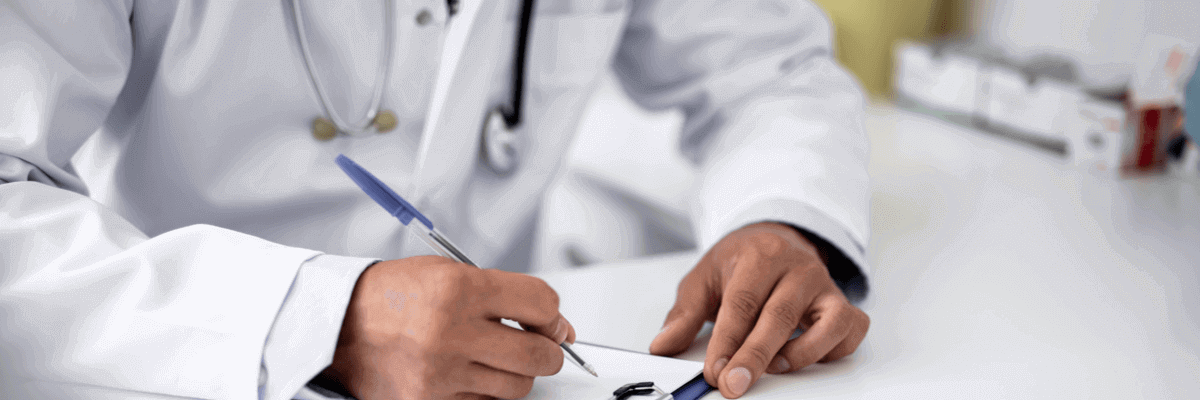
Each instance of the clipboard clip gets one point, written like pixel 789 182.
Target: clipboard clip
pixel 640 389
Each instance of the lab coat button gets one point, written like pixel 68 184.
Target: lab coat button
pixel 385 121
pixel 424 17
pixel 323 129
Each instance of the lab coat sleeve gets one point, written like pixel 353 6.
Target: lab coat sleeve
pixel 772 123
pixel 305 333
pixel 90 307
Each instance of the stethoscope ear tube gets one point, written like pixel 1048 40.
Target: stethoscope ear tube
pixel 375 120
pixel 501 144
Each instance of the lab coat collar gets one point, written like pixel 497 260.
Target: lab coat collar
pixel 449 139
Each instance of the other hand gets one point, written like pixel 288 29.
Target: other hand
pixel 759 284
pixel 429 328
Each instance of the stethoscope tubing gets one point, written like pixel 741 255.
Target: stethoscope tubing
pixel 511 112
pixel 513 116
pixel 364 124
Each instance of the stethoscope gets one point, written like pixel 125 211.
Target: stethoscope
pixel 500 141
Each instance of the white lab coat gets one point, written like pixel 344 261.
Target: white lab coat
pixel 219 262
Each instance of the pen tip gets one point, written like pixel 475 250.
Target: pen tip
pixel 591 370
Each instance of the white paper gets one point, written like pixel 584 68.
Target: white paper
pixel 616 368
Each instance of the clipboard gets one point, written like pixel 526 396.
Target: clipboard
pixel 692 390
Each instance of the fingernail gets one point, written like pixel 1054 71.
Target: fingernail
pixel 661 332
pixel 659 337
pixel 560 333
pixel 780 365
pixel 720 366
pixel 738 380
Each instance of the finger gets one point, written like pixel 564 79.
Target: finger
pixel 692 307
pixel 471 396
pixel 741 301
pixel 490 382
pixel 524 353
pixel 563 331
pixel 830 327
pixel 524 299
pixel 780 316
pixel 570 332
pixel 860 323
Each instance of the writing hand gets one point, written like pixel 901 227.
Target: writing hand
pixel 429 328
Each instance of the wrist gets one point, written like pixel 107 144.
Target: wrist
pixel 792 237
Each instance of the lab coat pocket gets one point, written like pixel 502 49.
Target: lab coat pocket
pixel 570 49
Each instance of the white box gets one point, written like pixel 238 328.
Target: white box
pixel 1094 137
pixel 1045 109
pixel 949 82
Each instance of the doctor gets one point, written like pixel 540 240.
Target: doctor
pixel 229 257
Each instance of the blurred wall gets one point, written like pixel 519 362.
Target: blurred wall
pixel 1101 37
pixel 866 30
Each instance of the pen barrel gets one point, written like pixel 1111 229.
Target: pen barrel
pixel 441 245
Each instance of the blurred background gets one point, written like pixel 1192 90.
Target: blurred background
pixel 1091 91
pixel 1096 40
pixel 1035 205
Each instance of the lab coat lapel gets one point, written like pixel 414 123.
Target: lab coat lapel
pixel 450 141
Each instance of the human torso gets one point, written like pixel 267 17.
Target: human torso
pixel 214 125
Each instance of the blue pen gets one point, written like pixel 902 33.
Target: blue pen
pixel 405 212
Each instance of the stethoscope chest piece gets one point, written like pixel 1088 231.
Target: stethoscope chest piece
pixel 501 145
pixel 324 129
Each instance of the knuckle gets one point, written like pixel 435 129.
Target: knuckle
pixel 730 342
pixel 440 324
pixel 549 297
pixel 427 376
pixel 431 352
pixel 458 277
pixel 682 312
pixel 804 356
pixel 787 312
pixel 851 319
pixel 816 272
pixel 489 286
pixel 760 354
pixel 546 357
pixel 838 317
pixel 453 283
pixel 744 304
pixel 769 242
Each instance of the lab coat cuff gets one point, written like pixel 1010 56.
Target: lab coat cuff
pixel 845 257
pixel 302 340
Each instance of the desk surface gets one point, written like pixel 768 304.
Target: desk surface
pixel 998 272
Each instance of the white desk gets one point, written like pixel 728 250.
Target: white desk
pixel 998 273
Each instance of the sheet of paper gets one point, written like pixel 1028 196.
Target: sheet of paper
pixel 616 368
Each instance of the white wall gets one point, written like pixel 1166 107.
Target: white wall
pixel 1101 36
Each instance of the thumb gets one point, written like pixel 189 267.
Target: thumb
pixel 686 318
